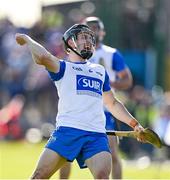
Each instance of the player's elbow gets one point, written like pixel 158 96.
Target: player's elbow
pixel 129 83
pixel 129 80
pixel 42 59
pixel 108 98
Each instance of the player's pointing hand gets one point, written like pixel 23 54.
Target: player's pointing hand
pixel 21 38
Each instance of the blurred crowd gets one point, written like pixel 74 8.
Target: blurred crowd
pixel 28 101
pixel 20 77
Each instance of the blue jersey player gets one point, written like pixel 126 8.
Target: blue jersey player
pixel 82 87
pixel 120 79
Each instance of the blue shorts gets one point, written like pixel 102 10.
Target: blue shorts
pixel 110 121
pixel 72 143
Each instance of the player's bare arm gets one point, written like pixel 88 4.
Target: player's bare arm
pixel 124 81
pixel 119 111
pixel 40 55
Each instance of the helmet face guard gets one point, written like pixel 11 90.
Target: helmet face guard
pixel 83 39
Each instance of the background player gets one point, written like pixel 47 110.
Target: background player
pixel 120 79
pixel 80 132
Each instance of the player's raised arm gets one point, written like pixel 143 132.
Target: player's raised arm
pixel 119 111
pixel 39 53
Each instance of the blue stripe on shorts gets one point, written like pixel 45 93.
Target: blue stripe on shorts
pixel 72 143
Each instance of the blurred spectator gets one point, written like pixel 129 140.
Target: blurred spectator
pixel 9 118
pixel 162 124
pixel 140 104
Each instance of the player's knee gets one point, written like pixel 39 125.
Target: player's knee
pixel 40 174
pixel 102 174
pixel 65 171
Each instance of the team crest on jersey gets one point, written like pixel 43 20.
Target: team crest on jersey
pixel 89 85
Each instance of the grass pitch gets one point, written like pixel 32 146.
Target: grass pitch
pixel 18 159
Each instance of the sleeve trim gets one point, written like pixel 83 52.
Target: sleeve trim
pixel 106 85
pixel 57 76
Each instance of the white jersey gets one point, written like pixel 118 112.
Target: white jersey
pixel 80 87
pixel 110 58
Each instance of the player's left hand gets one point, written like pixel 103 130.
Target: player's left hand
pixel 139 129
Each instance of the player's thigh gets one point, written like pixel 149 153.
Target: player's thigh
pixel 113 143
pixel 100 162
pixel 49 162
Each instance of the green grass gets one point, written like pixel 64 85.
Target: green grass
pixel 18 159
